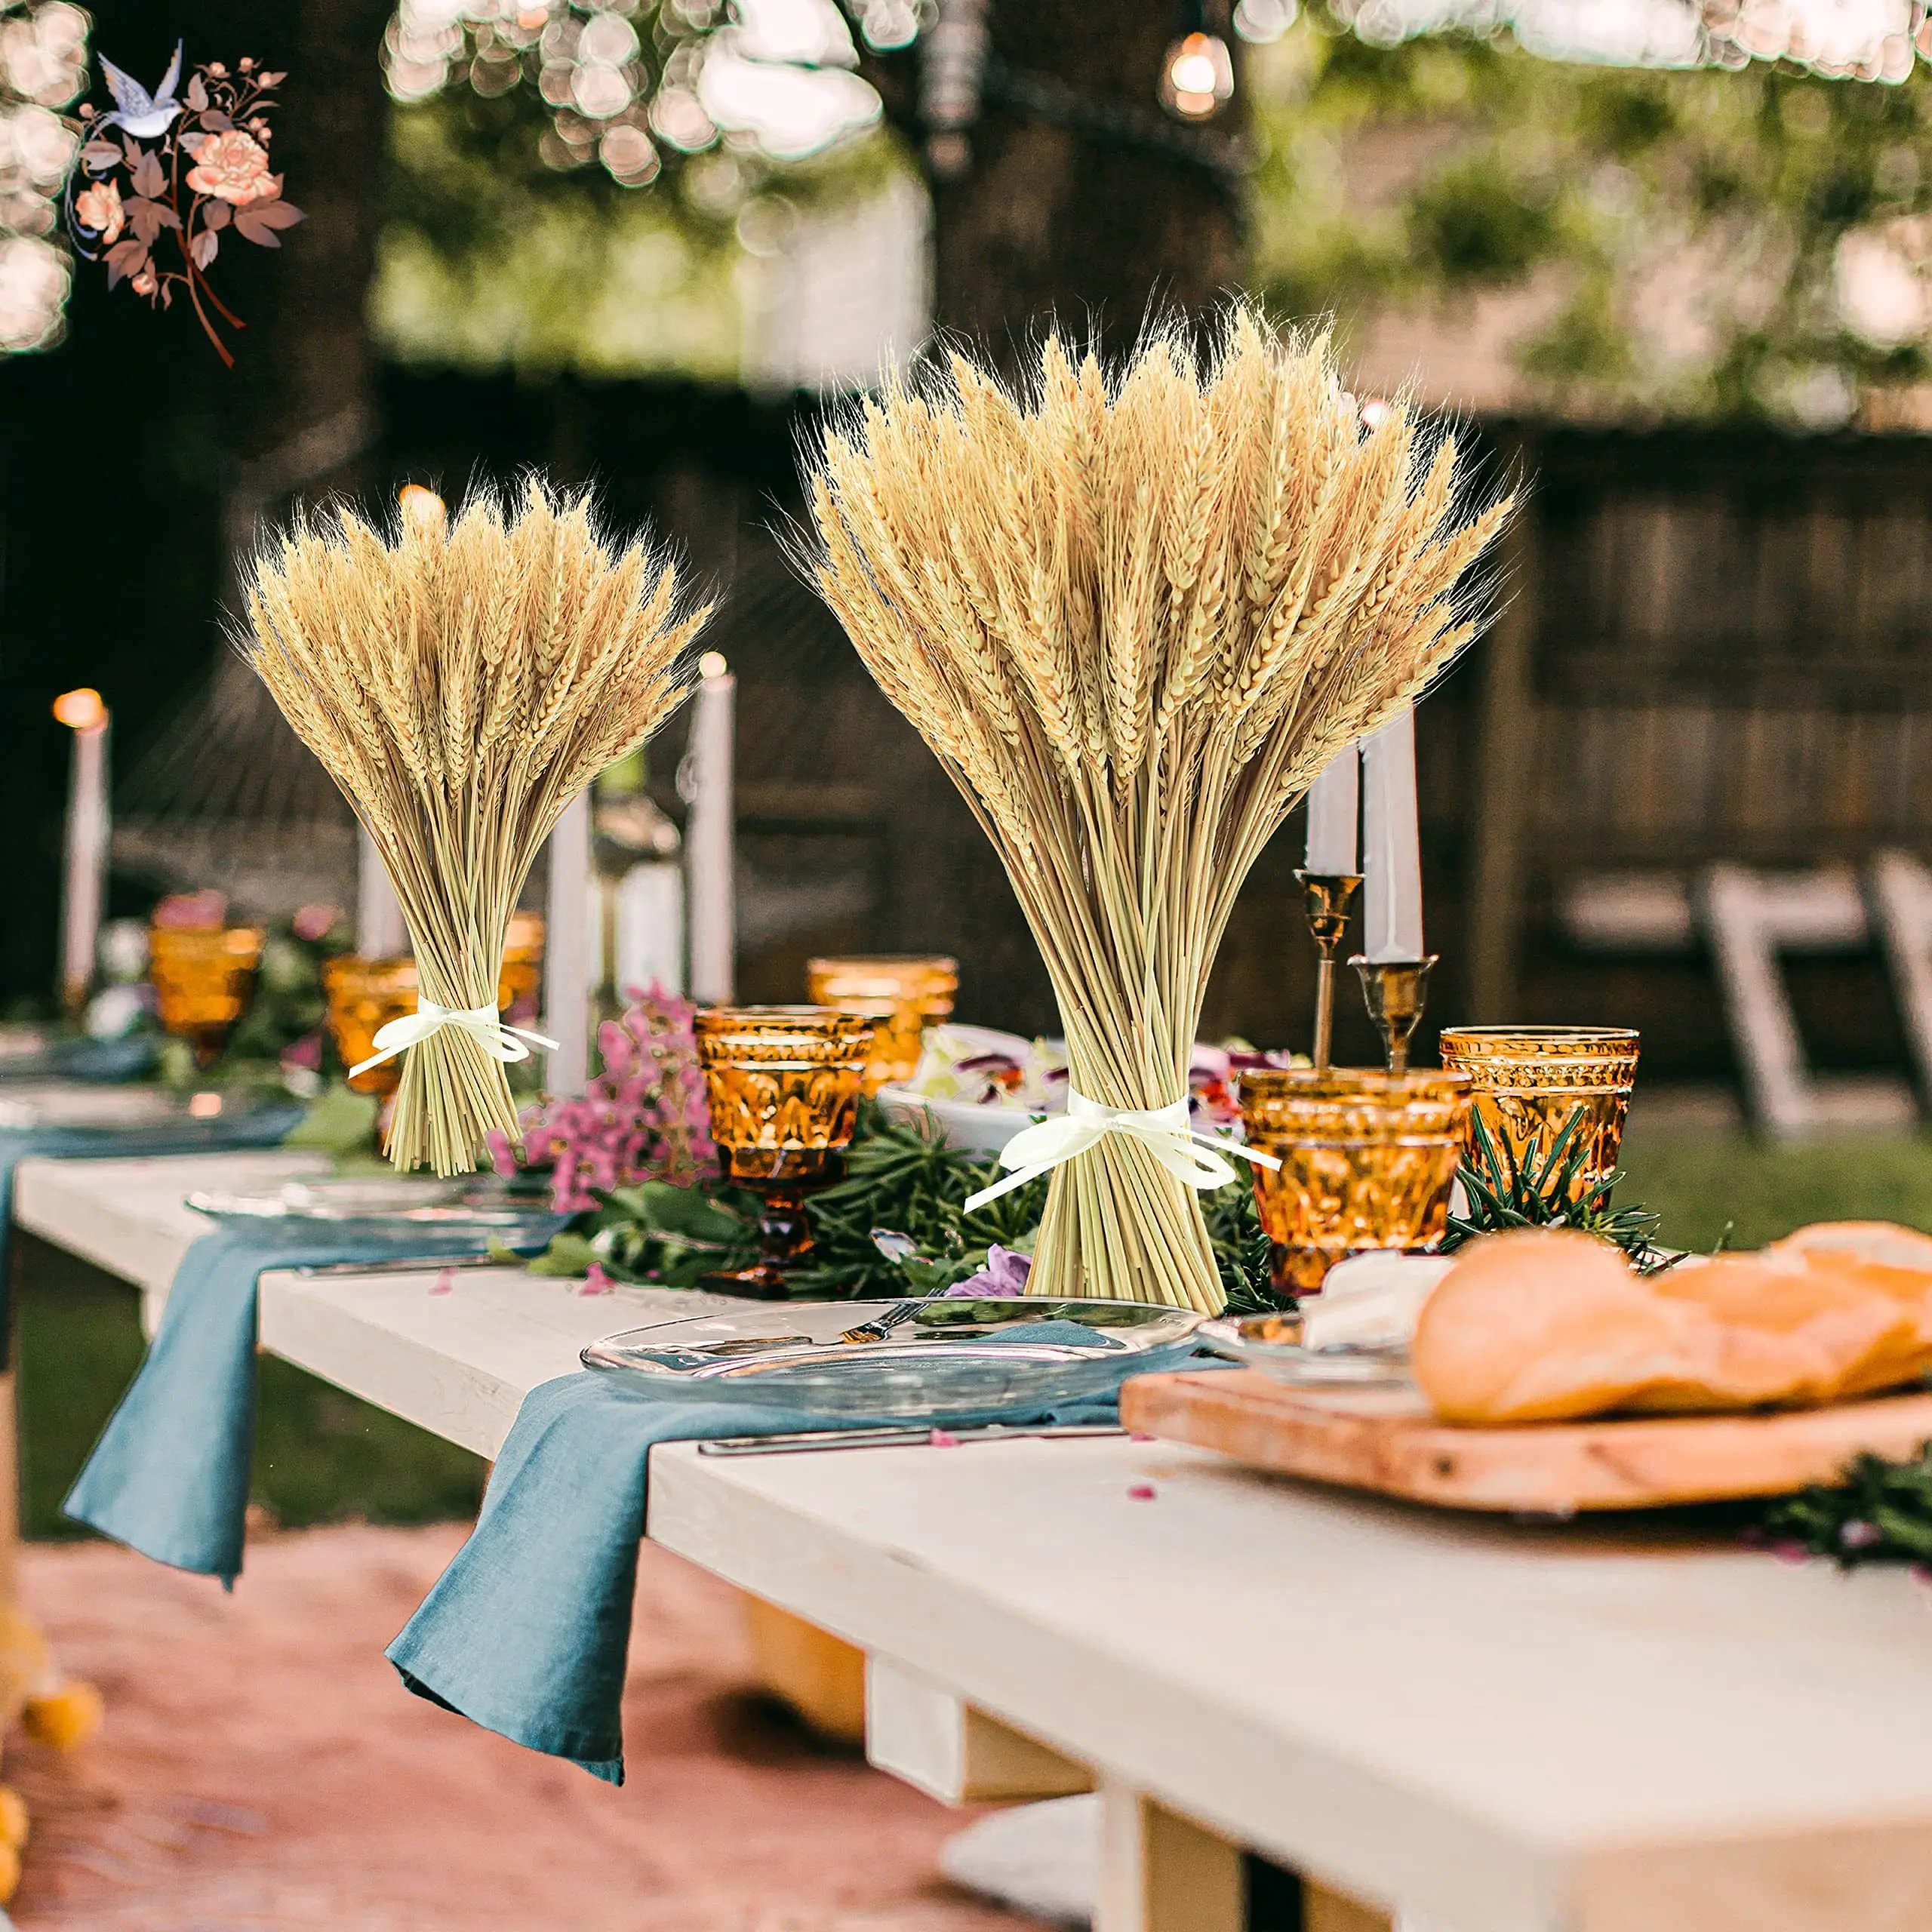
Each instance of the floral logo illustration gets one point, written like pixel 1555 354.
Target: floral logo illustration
pixel 167 179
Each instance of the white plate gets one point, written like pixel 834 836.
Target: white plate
pixel 970 1128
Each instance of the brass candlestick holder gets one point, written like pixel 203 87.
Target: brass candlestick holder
pixel 1396 991
pixel 1328 898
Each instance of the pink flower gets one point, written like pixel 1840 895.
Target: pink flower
pixel 1142 1492
pixel 234 167
pixel 144 282
pixel 940 1439
pixel 595 1282
pixel 312 922
pixel 306 1052
pixel 99 207
pixel 191 912
pixel 445 1282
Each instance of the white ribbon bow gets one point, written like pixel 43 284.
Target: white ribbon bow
pixel 1163 1131
pixel 483 1024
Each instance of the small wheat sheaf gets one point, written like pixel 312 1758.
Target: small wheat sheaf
pixel 1134 612
pixel 462 682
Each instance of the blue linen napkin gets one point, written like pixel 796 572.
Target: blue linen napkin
pixel 527 1632
pixel 103 1063
pixel 169 1476
pixel 264 1126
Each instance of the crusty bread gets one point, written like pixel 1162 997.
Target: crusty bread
pixel 1542 1324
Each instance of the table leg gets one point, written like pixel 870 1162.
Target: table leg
pixel 1159 1872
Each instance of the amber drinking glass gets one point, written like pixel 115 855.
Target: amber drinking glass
pixel 901 993
pixel 784 1084
pixel 204 978
pixel 1529 1080
pixel 1366 1161
pixel 522 975
pixel 364 996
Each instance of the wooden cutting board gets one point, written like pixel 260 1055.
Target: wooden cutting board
pixel 1387 1440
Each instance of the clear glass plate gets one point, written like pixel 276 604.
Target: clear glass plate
pixel 946 1357
pixel 1272 1343
pixel 406 1199
pixel 28 1104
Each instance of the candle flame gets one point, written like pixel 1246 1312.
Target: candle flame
pixel 80 710
pixel 712 665
pixel 423 506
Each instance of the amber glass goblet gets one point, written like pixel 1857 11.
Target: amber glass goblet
pixel 522 974
pixel 784 1083
pixel 204 977
pixel 902 994
pixel 364 996
pixel 1529 1080
pixel 1366 1161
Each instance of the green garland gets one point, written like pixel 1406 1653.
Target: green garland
pixel 898 1181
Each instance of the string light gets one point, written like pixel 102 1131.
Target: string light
pixel 1197 72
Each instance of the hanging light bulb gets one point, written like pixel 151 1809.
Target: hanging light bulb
pixel 1197 72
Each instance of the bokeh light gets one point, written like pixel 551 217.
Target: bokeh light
pixel 625 80
pixel 43 67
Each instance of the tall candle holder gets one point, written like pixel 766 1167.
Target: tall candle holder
pixel 1328 898
pixel 1396 991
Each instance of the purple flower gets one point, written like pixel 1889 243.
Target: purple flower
pixel 1860 1535
pixel 1004 1274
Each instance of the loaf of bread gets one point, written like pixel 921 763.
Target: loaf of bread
pixel 1543 1325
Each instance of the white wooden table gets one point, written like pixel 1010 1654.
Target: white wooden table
pixel 1504 1728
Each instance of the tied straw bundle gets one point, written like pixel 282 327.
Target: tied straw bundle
pixel 1135 617
pixel 462 683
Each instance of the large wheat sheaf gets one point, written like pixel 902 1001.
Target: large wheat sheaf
pixel 1135 613
pixel 463 682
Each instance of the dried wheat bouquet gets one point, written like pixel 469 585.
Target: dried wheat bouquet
pixel 1134 615
pixel 463 683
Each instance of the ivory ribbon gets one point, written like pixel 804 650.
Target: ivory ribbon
pixel 1163 1131
pixel 483 1024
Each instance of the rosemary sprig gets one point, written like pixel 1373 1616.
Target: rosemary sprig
pixel 1544 1192
pixel 1241 1252
pixel 1880 1512
pixel 898 1177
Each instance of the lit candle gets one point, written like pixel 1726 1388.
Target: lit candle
pixel 1331 817
pixel 1391 844
pixel 85 714
pixel 706 783
pixel 568 959
pixel 380 930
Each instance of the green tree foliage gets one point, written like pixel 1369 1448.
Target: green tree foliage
pixel 1710 243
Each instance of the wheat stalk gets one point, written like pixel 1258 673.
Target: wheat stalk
pixel 1134 615
pixel 462 683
